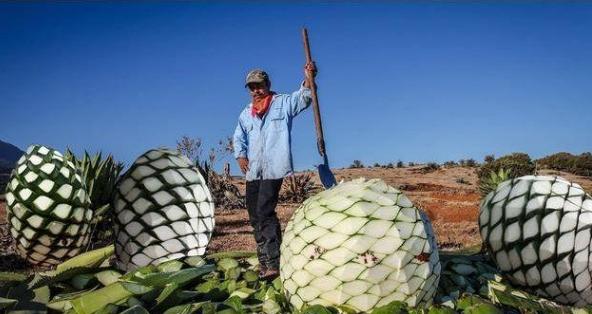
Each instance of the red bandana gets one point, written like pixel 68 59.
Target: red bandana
pixel 261 105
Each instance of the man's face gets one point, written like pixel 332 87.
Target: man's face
pixel 258 89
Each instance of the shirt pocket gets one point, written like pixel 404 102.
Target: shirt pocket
pixel 277 123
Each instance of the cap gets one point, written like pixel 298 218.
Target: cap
pixel 257 76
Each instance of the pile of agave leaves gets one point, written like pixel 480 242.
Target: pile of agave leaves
pixel 227 283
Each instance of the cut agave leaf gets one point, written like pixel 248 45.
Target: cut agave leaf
pixel 170 266
pixel 319 309
pixel 98 299
pixel 29 299
pixel 108 309
pixel 136 309
pixel 506 295
pixel 166 292
pixel 12 277
pixel 179 277
pixel 186 308
pixel 271 307
pixel 82 281
pixel 90 259
pixel 226 264
pixel 242 293
pixel 194 261
pixel 393 307
pixel 6 303
pixel 107 277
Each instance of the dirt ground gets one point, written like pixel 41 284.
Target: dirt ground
pixel 449 196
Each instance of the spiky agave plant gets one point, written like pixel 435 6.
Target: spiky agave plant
pixel 495 178
pixel 100 175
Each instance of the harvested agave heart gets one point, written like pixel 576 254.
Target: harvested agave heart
pixel 538 230
pixel 48 207
pixel 362 244
pixel 163 211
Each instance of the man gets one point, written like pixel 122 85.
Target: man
pixel 262 149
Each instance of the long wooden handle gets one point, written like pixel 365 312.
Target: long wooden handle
pixel 315 99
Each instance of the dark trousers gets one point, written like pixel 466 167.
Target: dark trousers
pixel 262 198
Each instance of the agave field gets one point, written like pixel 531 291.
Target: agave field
pixel 144 241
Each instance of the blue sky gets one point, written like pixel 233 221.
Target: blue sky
pixel 411 81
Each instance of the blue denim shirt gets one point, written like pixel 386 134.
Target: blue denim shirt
pixel 266 141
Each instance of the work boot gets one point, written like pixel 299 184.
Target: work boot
pixel 270 274
pixel 262 270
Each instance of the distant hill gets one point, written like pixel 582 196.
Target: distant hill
pixel 9 154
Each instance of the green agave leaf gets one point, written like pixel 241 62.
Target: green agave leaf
pixel 170 266
pixel 136 309
pixel 277 284
pixel 185 308
pixel 271 307
pixel 12 277
pixel 393 307
pixel 227 264
pixel 235 303
pixel 483 308
pixel 90 259
pixel 468 300
pixel 82 281
pixel 251 276
pixel 166 292
pixel 435 309
pixel 84 263
pixel 213 290
pixel 133 301
pixel 107 277
pixel 108 309
pixel 96 300
pixel 29 299
pixel 179 277
pixel 135 288
pixel 141 272
pixel 6 303
pixel 500 293
pixel 233 273
pixel 194 261
pixel 319 309
pixel 61 302
pixel 253 261
pixel 242 293
pixel 346 309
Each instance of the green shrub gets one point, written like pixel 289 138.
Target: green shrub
pixel 518 164
pixel 471 162
pixel 489 158
pixel 357 164
pixel 576 164
pixel 450 163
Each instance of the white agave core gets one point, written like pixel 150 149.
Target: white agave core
pixel 48 207
pixel 164 211
pixel 361 244
pixel 538 231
